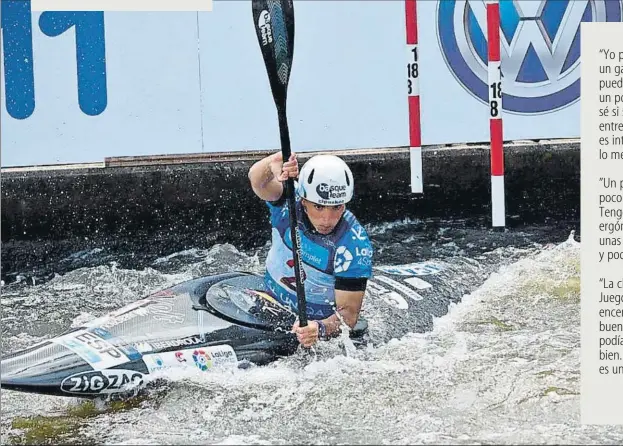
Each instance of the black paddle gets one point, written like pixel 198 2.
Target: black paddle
pixel 274 26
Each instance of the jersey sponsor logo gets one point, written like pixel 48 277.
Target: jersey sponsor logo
pixel 102 381
pixel 310 252
pixel 359 233
pixel 314 312
pixel 290 281
pixel 364 261
pixel 311 258
pixel 361 252
pixel 343 258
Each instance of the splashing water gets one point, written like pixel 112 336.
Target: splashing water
pixel 501 367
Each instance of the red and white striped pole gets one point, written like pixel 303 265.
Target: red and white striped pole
pixel 498 212
pixel 413 93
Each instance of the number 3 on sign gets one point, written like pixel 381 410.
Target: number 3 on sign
pixel 412 69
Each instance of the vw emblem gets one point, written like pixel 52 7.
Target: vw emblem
pixel 540 48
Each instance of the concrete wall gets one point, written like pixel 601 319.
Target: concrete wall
pixel 167 205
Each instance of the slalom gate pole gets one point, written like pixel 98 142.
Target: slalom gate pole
pixel 413 94
pixel 498 212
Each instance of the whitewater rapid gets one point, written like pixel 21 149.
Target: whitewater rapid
pixel 501 367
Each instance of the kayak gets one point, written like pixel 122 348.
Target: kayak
pixel 222 320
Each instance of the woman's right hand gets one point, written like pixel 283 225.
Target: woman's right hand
pixel 282 171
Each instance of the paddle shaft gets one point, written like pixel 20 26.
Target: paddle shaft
pixel 274 27
pixel 294 231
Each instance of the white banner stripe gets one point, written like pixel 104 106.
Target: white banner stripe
pixel 123 5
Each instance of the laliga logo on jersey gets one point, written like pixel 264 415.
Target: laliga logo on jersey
pixel 343 257
pixel 331 192
pixel 540 48
pixel 363 252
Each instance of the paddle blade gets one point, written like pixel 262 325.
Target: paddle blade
pixel 274 27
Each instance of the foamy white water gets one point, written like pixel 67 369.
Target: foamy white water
pixel 501 367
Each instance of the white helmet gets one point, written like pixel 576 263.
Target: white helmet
pixel 326 180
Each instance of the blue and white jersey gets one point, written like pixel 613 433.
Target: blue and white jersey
pixel 346 252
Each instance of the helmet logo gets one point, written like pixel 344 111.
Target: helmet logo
pixel 327 192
